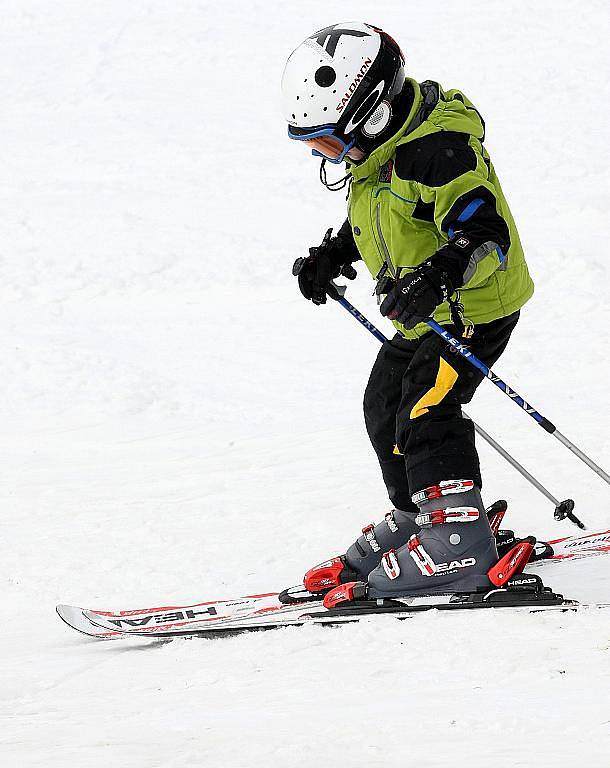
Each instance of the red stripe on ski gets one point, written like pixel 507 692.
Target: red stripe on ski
pixel 271 608
pixel 579 553
pixel 169 608
pixel 580 538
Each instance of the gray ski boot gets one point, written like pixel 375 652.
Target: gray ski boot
pixel 365 553
pixel 452 553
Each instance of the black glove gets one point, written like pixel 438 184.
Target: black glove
pixel 414 297
pixel 326 262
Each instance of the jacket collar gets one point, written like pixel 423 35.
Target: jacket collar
pixel 425 99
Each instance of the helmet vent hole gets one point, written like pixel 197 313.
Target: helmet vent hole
pixel 325 76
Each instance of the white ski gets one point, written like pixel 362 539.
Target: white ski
pixel 266 610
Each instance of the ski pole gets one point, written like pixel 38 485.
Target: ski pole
pixel 563 509
pixel 547 425
pixel 360 317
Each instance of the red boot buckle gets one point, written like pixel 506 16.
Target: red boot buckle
pixel 369 535
pixel 390 564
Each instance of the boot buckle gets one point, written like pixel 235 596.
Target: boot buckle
pixel 391 522
pixel 449 515
pixel 444 488
pixel 420 557
pixel 390 564
pixel 369 535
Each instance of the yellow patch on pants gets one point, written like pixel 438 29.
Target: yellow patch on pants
pixel 445 379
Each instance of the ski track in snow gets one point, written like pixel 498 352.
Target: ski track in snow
pixel 178 424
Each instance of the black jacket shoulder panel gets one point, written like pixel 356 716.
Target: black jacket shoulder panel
pixel 435 159
pixel 423 211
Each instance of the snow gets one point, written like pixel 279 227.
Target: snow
pixel 179 424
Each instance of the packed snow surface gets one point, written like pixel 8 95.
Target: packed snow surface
pixel 179 425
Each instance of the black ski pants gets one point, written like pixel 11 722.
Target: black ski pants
pixel 412 408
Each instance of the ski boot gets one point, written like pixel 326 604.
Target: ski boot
pixel 392 533
pixel 452 553
pixel 453 557
pixel 365 553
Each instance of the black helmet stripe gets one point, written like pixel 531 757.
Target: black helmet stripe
pixel 329 37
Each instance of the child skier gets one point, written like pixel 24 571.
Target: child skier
pixel 427 216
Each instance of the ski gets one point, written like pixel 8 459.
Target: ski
pixel 276 615
pixel 577 547
pixel 268 610
pixel 109 625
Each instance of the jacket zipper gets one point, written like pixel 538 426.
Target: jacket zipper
pixel 384 247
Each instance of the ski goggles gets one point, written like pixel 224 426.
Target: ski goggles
pixel 324 142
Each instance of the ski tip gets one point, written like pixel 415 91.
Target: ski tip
pixel 76 618
pixel 65 611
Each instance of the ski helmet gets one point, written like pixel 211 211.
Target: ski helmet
pixel 338 86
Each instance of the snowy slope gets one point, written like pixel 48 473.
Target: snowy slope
pixel 179 424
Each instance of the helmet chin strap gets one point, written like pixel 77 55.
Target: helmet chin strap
pixel 378 127
pixel 333 186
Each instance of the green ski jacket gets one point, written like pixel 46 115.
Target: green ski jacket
pixel 431 192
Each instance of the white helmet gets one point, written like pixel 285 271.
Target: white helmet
pixel 339 85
